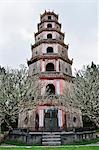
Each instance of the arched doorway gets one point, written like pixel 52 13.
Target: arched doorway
pixel 50 67
pixel 51 119
pixel 50 89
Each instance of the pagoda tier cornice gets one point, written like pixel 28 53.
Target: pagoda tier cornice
pixel 49 41
pixel 51 56
pixel 49 29
pixel 55 75
pixel 49 21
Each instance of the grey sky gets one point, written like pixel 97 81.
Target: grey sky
pixel 18 20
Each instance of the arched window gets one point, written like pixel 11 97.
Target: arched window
pixel 49 36
pixel 49 25
pixel 66 70
pixel 74 119
pixel 50 50
pixel 50 89
pixel 50 67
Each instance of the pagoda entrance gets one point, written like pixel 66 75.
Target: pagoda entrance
pixel 51 119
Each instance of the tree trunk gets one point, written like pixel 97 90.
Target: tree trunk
pixel 8 125
pixel 96 122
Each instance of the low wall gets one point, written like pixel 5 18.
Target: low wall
pixel 70 137
pixel 27 138
pixel 35 138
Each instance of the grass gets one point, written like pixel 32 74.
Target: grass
pixel 13 142
pixel 51 148
pixel 84 142
pixel 97 130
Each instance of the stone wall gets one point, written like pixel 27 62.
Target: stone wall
pixel 27 120
pixel 65 68
pixel 30 139
pixel 71 137
pixel 35 138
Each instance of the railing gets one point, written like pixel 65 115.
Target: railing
pixel 85 129
pixel 60 55
pixel 50 20
pixel 51 74
pixel 54 74
pixel 51 54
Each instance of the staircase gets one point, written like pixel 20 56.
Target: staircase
pixel 51 138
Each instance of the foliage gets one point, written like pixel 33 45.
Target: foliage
pixel 15 86
pixel 85 92
pixel 18 90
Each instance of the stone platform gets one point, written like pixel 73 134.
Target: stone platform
pixel 50 138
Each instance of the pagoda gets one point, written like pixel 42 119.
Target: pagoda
pixel 51 63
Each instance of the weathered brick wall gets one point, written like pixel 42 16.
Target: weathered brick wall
pixel 27 119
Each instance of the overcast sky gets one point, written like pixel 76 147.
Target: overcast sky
pixel 18 22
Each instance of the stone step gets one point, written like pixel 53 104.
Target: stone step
pixel 49 136
pixel 44 133
pixel 51 139
pixel 51 143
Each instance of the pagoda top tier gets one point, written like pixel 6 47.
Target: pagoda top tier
pixel 48 15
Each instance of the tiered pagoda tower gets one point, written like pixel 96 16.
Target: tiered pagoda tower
pixel 51 62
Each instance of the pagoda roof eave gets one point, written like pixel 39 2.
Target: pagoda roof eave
pixel 49 41
pixel 48 57
pixel 49 21
pixel 52 29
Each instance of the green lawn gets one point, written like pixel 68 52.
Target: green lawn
pixel 52 148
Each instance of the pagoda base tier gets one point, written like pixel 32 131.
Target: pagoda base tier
pixel 50 118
